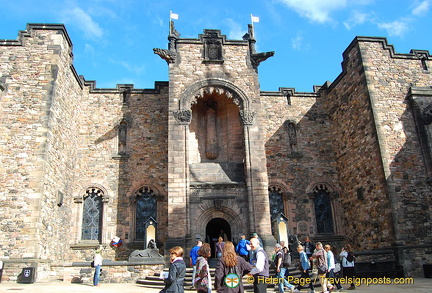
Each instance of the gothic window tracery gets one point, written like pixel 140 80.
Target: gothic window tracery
pixel 276 202
pixel 146 208
pixel 323 210
pixel 92 214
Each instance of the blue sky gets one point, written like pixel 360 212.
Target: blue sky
pixel 113 39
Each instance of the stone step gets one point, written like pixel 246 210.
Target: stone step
pixel 156 283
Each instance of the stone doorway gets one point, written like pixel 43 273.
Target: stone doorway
pixel 213 231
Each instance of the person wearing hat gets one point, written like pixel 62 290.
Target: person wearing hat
pixel 280 269
pixel 251 252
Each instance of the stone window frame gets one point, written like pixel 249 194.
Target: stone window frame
pixel 332 195
pixel 103 237
pixel 281 192
pixel 153 193
pixel 133 203
pixel 285 195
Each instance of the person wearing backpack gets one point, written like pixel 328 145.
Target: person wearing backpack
pixel 348 263
pixel 230 264
pixel 281 268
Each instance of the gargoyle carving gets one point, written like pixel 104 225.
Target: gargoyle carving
pixel 257 58
pixel 167 55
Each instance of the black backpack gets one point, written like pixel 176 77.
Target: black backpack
pixel 350 257
pixel 286 258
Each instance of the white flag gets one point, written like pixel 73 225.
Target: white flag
pixel 254 18
pixel 173 15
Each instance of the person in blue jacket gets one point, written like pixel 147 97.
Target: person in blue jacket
pixel 242 247
pixel 193 258
pixel 304 269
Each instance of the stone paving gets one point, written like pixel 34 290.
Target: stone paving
pixel 421 285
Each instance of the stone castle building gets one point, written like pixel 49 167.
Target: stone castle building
pixel 207 151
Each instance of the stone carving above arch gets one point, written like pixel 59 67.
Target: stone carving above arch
pixel 213 86
pixel 247 117
pixel 183 116
pixel 93 187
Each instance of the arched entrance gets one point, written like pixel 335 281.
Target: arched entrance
pixel 214 229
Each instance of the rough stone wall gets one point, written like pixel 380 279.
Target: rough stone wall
pixel 39 107
pixel 311 162
pixel 147 165
pixel 60 137
pixel 366 207
pixel 99 163
pixel 403 161
pixel 29 69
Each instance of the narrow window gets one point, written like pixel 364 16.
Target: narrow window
pixel 323 210
pixel 146 208
pixel 92 215
pixel 276 202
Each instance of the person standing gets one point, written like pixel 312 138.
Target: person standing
pixel 260 266
pixel 309 247
pixel 203 282
pixel 230 263
pixel 97 263
pixel 219 247
pixel 251 252
pixel 242 247
pixel 304 268
pixel 348 263
pixel 177 272
pixel 280 269
pixel 193 258
pixel 330 267
pixel 321 256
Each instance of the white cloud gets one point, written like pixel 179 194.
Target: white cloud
pixel 422 8
pixel 84 22
pixel 130 67
pixel 358 18
pixel 236 31
pixel 395 28
pixel 316 10
pixel 297 43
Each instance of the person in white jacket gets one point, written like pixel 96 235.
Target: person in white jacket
pixel 330 268
pixel 97 262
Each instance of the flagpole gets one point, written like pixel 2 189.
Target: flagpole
pixel 170 23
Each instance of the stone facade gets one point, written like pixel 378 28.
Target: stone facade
pixel 210 151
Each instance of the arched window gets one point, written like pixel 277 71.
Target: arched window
pixel 92 214
pixel 276 202
pixel 323 210
pixel 146 208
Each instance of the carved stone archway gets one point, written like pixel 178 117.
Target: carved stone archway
pixel 214 85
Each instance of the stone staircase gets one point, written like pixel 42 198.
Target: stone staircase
pixel 156 283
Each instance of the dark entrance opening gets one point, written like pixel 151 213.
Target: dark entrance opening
pixel 214 229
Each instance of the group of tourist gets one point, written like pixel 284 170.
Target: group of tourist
pixel 324 259
pixel 249 257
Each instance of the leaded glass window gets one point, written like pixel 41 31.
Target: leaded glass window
pixel 92 214
pixel 323 210
pixel 276 202
pixel 146 207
